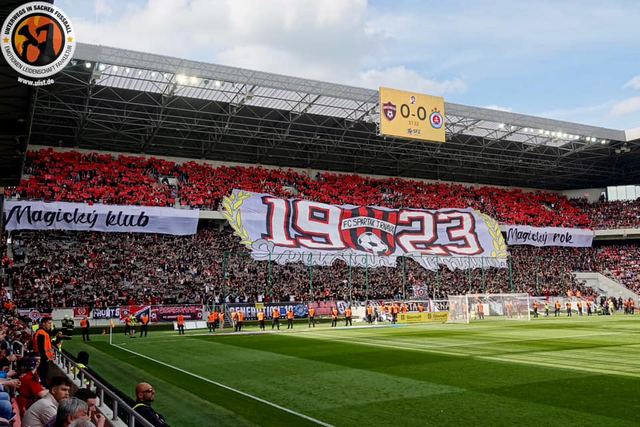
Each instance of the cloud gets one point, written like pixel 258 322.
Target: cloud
pixel 626 106
pixel 408 79
pixel 498 108
pixel 634 83
pixel 103 7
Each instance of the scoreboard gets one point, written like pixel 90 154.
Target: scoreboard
pixel 411 115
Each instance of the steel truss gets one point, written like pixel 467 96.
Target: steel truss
pixel 116 100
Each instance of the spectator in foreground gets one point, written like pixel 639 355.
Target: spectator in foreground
pixel 145 395
pixel 45 409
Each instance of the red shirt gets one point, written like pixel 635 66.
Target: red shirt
pixel 29 388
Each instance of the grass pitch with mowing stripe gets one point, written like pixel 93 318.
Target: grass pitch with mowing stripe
pixel 578 371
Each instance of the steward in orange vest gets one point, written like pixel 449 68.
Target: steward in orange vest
pixel 370 314
pixel 84 326
pixel 334 317
pixel 211 321
pixel 275 318
pixel 42 346
pixel 312 317
pixel 239 320
pixel 180 322
pixel 261 320
pixel 347 317
pixel 144 325
pixel 290 317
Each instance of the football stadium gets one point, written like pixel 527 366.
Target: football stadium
pixel 188 243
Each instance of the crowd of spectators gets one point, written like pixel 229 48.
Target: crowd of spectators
pixel 611 215
pixel 32 394
pixel 622 263
pixel 95 178
pixel 66 269
pixel 72 269
pixel 136 180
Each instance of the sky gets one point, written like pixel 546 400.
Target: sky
pixel 577 61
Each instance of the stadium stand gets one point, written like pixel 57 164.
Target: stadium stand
pixel 622 263
pixel 137 180
pixel 66 269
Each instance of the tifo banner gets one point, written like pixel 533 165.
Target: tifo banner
pixel 548 236
pixel 411 115
pixel 291 230
pixel 27 215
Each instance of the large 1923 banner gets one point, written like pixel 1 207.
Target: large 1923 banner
pixel 291 230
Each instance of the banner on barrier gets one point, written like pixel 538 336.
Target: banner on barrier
pixel 34 314
pixel 290 230
pixel 81 312
pixel 169 313
pixel 106 313
pixel 28 215
pixel 300 310
pixel 548 236
pixel 438 316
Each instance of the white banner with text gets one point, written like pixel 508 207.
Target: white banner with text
pixel 29 215
pixel 548 236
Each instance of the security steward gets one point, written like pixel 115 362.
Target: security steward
pixel 290 317
pixel 84 326
pixel 347 317
pixel 211 321
pixel 180 322
pixel 334 317
pixel 42 346
pixel 312 317
pixel 144 325
pixel 275 318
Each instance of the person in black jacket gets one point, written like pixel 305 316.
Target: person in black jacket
pixel 145 395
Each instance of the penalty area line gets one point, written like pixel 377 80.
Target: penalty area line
pixel 226 387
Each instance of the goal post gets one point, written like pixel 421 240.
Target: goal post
pixel 465 308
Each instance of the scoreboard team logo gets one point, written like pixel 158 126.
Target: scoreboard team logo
pixel 389 110
pixel 38 41
pixel 436 119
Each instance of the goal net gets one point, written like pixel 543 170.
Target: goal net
pixel 464 308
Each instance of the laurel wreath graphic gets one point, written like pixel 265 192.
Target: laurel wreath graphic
pixel 499 245
pixel 232 205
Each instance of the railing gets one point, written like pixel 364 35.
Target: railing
pixel 72 369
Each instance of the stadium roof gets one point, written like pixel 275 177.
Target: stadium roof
pixel 121 100
pixel 14 115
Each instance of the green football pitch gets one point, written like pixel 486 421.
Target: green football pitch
pixel 550 371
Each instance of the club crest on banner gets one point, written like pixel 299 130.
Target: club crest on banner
pixel 389 110
pixel 369 229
